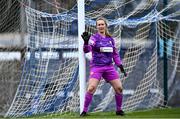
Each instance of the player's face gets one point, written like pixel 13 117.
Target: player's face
pixel 101 26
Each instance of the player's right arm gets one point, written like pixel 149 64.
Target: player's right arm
pixel 88 42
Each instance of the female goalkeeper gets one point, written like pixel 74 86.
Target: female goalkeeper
pixel 103 50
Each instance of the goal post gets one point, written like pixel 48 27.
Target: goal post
pixel 82 65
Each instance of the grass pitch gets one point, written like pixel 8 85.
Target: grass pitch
pixel 165 113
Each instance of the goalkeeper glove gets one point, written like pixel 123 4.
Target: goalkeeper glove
pixel 122 70
pixel 86 36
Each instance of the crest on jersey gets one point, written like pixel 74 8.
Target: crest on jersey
pixel 110 42
pixel 91 42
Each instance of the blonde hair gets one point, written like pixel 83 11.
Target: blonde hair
pixel 105 21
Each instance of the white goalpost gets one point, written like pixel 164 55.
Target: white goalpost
pixel 82 65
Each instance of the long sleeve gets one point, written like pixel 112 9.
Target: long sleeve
pixel 116 56
pixel 87 48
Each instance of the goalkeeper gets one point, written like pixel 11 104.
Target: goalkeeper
pixel 103 50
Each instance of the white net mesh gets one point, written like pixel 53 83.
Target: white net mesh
pixel 49 77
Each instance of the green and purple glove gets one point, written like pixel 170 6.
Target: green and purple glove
pixel 86 36
pixel 122 70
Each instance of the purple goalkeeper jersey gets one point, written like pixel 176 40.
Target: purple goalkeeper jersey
pixel 99 58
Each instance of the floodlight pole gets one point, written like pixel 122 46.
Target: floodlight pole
pixel 165 63
pixel 82 61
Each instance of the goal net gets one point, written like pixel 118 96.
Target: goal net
pixel 48 81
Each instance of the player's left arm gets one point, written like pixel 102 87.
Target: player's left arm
pixel 117 59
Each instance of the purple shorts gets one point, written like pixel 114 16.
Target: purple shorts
pixel 107 72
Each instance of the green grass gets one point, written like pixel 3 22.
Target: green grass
pixel 150 114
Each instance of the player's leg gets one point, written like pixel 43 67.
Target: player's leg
pixel 117 85
pixel 112 76
pixel 93 83
pixel 95 76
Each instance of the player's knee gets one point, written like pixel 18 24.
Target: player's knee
pixel 119 89
pixel 91 89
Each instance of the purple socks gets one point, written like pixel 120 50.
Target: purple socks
pixel 118 98
pixel 88 99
